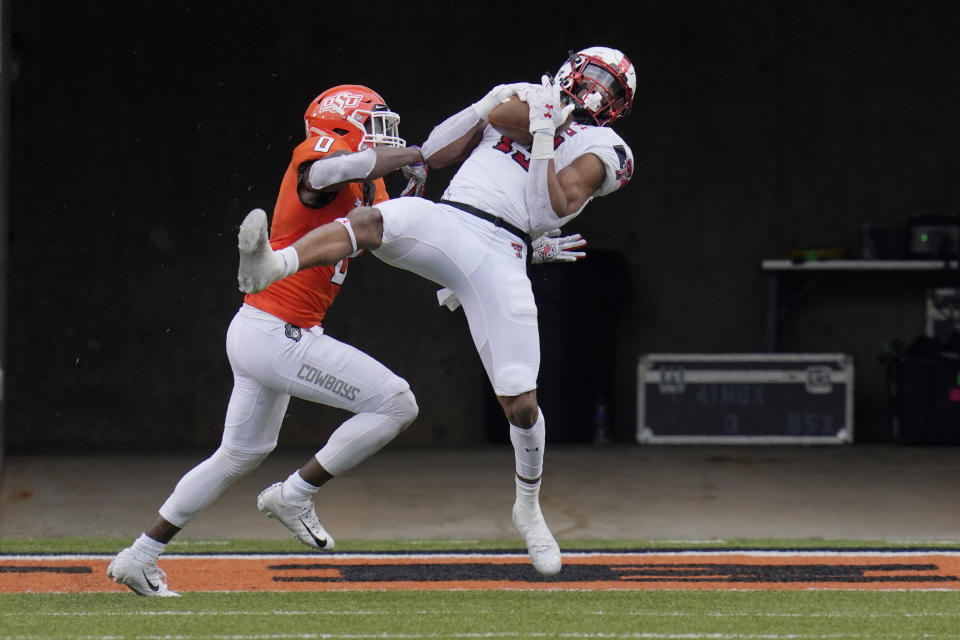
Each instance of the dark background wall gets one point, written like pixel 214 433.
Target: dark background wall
pixel 143 132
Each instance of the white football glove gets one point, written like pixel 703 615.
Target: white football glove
pixel 550 247
pixel 416 175
pixel 547 109
pixel 499 94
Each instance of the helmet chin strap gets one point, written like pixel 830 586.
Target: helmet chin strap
pixel 583 116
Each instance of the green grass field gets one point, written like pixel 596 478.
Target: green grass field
pixel 772 615
pixel 499 614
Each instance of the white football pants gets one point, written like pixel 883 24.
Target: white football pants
pixel 485 267
pixel 270 364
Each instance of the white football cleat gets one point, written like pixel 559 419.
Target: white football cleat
pixel 301 520
pixel 260 266
pixel 541 545
pixel 142 578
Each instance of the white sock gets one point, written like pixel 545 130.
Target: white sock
pixel 528 493
pixel 146 549
pixel 528 446
pixel 296 490
pixel 291 261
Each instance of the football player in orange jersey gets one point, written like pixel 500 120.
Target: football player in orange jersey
pixel 277 347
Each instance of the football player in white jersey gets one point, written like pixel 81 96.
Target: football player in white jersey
pixel 474 241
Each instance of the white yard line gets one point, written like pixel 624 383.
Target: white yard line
pixel 577 554
pixel 509 634
pixel 345 612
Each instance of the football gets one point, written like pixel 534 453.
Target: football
pixel 512 119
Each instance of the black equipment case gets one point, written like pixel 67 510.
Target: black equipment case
pixel 761 398
pixel 925 393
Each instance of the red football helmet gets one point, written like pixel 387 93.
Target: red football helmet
pixel 355 113
pixel 601 82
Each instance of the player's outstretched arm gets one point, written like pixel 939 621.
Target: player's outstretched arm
pixel 453 139
pixel 390 159
pixel 335 171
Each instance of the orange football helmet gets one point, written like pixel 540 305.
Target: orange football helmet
pixel 355 113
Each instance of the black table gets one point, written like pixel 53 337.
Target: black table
pixel 774 269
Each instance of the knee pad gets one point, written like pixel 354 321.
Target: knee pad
pixel 367 432
pixel 402 408
pixel 235 463
pixel 514 379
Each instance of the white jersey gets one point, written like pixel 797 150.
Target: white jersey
pixel 492 178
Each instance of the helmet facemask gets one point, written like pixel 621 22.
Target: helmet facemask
pixel 381 127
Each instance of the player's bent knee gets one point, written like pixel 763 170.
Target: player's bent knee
pixel 523 416
pixel 235 463
pixel 404 409
pixel 367 224
pixel 521 411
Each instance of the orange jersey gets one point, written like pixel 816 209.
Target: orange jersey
pixel 303 298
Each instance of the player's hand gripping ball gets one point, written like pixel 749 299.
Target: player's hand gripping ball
pixel 512 120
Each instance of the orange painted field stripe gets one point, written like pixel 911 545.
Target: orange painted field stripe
pixel 593 571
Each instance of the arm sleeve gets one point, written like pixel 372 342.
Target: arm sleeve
pixel 448 131
pixel 341 168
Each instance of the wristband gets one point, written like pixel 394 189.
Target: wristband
pixel 542 145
